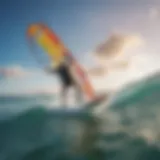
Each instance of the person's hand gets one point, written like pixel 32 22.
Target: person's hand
pixel 47 69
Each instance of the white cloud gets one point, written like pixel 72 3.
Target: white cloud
pixel 141 65
pixel 13 71
pixel 97 71
pixel 121 70
pixel 154 13
pixel 117 45
pixel 113 54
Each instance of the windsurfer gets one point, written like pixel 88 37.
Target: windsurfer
pixel 65 74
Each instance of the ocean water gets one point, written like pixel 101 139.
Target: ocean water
pixel 128 128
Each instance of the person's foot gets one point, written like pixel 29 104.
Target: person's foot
pixel 100 97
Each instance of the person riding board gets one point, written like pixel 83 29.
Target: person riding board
pixel 64 72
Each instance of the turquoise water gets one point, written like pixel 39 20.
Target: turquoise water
pixel 30 129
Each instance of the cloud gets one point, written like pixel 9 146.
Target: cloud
pixel 122 66
pixel 97 71
pixel 140 66
pixel 117 45
pixel 12 72
pixel 154 13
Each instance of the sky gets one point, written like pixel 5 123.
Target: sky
pixel 82 25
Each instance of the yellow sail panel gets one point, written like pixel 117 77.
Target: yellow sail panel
pixel 51 52
pixel 52 49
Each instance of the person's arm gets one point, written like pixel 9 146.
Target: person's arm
pixel 50 70
pixel 67 61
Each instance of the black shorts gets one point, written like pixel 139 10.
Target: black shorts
pixel 65 76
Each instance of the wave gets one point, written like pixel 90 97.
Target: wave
pixel 136 110
pixel 147 90
pixel 39 128
pixel 127 129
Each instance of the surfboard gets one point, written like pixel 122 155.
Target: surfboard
pixel 97 101
pixel 79 111
pixel 56 50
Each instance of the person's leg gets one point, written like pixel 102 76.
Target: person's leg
pixel 78 94
pixel 64 96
